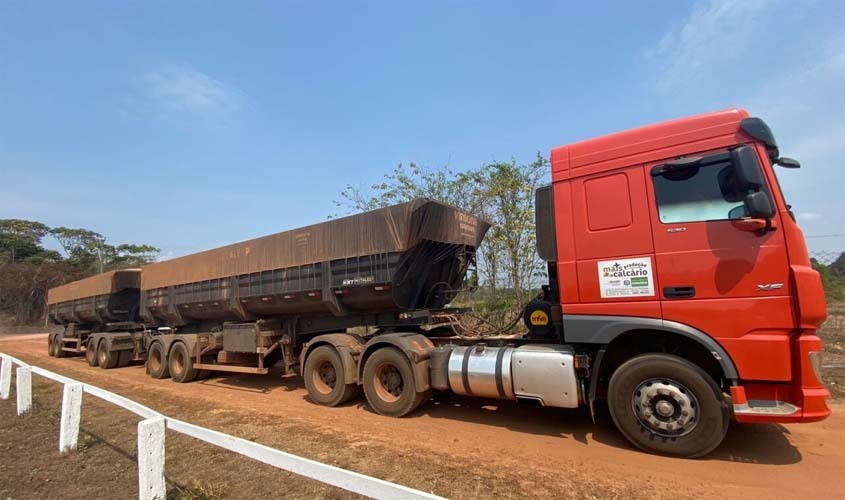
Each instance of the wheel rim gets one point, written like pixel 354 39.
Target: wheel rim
pixel 155 360
pixel 388 383
pixel 324 377
pixel 102 355
pixel 665 407
pixel 178 362
pixel 90 353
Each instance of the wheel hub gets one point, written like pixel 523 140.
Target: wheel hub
pixel 389 383
pixel 328 375
pixel 665 407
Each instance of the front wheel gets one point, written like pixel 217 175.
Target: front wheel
pixel 58 345
pixel 666 405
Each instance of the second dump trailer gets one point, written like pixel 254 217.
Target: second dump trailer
pixel 100 318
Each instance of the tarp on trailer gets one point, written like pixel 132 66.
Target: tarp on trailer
pixel 100 284
pixel 391 229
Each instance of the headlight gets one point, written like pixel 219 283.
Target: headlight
pixel 816 363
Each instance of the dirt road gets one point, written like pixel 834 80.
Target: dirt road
pixel 536 451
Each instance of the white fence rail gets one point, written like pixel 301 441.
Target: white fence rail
pixel 151 432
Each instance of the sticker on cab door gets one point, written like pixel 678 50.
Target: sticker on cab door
pixel 626 278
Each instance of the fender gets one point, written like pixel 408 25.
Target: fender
pixel 348 345
pixel 415 346
pixel 602 330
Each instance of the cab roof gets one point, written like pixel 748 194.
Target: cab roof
pixel 650 143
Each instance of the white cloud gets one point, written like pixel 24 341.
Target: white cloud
pixel 186 89
pixel 809 215
pixel 729 53
pixel 715 32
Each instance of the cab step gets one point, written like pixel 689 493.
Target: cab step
pixel 766 407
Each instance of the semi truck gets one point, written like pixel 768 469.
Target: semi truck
pixel 680 295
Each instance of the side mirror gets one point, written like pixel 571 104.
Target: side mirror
pixel 758 205
pixel 747 168
pixel 785 162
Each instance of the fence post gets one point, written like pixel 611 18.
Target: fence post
pixel 151 459
pixel 71 408
pixel 5 377
pixel 23 390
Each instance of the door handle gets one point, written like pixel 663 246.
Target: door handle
pixel 679 292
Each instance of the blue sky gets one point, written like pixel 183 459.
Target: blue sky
pixel 189 125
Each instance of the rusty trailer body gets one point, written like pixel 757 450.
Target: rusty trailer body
pixel 405 257
pixel 108 297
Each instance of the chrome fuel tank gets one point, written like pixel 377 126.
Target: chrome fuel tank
pixel 482 371
pixel 540 372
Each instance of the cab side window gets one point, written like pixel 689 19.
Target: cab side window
pixel 702 191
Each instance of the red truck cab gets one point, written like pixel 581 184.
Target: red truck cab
pixel 676 238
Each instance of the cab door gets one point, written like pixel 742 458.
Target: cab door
pixel 614 247
pixel 715 272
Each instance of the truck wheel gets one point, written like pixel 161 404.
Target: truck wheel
pixel 91 353
pixel 324 380
pixel 389 383
pixel 157 361
pixel 106 358
pixel 51 345
pixel 666 405
pixel 57 346
pixel 181 364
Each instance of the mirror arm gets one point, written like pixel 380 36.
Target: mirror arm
pixel 768 229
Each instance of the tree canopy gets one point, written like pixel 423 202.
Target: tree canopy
pixel 501 193
pixel 28 270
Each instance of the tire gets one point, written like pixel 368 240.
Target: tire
pixel 157 361
pixel 106 358
pixel 323 374
pixel 51 346
pixel 91 354
pixel 666 405
pixel 57 346
pixel 181 364
pixel 389 383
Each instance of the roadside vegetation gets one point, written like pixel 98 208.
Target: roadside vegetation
pixel 28 269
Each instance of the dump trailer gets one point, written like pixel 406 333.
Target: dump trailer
pixel 680 295
pixel 100 318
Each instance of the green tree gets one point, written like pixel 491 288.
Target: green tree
pixel 28 271
pixel 501 193
pixel 21 239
